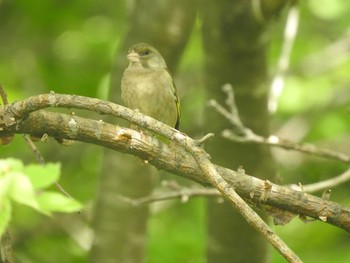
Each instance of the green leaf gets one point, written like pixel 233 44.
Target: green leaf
pixel 9 165
pixel 327 9
pixel 43 176
pixel 5 186
pixel 56 202
pixel 5 214
pixel 21 190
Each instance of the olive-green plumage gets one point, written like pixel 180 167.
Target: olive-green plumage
pixel 148 86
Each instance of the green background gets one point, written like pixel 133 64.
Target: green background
pixel 69 47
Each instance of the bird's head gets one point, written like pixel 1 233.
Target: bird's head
pixel 145 56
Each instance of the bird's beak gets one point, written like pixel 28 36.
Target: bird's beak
pixel 133 56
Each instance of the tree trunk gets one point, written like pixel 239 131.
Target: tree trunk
pixel 235 52
pixel 120 230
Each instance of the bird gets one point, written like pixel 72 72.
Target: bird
pixel 147 85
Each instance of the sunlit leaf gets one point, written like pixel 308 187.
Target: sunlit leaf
pixel 43 176
pixel 56 202
pixel 21 190
pixel 5 185
pixel 9 165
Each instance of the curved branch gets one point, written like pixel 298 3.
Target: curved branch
pixel 170 155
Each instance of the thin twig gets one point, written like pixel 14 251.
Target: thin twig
pixel 34 150
pixel 240 133
pixel 205 138
pixel 184 193
pixel 211 174
pixel 41 161
pixel 289 145
pixel 327 184
pixel 3 95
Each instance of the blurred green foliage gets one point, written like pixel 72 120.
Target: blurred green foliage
pixel 186 233
pixel 26 185
pixel 69 46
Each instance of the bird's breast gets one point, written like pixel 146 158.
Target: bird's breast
pixel 150 91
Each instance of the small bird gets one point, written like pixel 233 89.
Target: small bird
pixel 148 86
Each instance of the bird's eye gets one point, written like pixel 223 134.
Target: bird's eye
pixel 146 52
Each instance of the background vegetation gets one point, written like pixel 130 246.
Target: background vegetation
pixel 70 47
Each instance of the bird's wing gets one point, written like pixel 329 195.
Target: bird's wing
pixel 177 100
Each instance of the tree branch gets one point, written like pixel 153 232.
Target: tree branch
pixel 169 156
pixel 179 154
pixel 240 133
pixel 217 181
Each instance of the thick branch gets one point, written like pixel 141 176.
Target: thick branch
pixel 168 155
